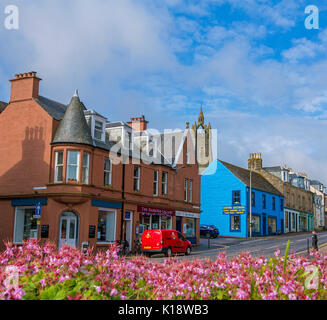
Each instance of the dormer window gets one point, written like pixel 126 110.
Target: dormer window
pixel 98 130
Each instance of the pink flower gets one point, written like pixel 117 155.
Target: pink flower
pixel 113 292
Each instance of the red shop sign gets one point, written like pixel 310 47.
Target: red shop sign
pixel 156 211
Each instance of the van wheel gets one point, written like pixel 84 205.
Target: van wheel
pixel 168 252
pixel 188 251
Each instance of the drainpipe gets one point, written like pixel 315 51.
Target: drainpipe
pixel 123 203
pixel 250 202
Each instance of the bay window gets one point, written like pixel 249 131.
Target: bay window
pixel 73 166
pixel 59 166
pixel 86 167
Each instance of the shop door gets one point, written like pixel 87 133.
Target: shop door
pixel 264 225
pixel 179 224
pixel 68 229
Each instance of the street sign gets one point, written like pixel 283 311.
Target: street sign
pixel 38 209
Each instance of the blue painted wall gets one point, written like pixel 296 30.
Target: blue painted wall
pixel 217 186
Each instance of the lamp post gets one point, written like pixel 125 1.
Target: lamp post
pixel 250 220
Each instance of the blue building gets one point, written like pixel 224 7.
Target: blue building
pixel 225 195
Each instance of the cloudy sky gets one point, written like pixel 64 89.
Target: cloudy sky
pixel 259 73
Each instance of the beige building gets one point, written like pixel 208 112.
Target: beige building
pixel 298 206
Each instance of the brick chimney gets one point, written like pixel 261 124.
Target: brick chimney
pixel 138 124
pixel 255 161
pixel 24 86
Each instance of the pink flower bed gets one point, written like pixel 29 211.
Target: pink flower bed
pixel 43 272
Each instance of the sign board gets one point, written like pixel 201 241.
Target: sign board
pixel 234 210
pixel 187 214
pixel 38 209
pixel 128 215
pixel 45 231
pixel 156 211
pixel 91 232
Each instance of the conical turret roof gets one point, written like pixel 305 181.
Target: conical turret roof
pixel 73 128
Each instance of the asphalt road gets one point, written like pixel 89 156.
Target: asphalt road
pixel 265 246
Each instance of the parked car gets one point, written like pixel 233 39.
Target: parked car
pixel 209 231
pixel 164 241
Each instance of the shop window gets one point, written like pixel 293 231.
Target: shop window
pixel 73 166
pixel 185 190
pixel 25 225
pixel 155 182
pixel 235 224
pixel 256 224
pixel 272 225
pixel 190 190
pixel 86 168
pixel 264 201
pixel 59 166
pixel 164 183
pixel 106 226
pixel 107 171
pixel 236 197
pixel 190 228
pixel 137 171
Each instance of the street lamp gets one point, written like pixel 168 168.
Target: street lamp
pixel 250 203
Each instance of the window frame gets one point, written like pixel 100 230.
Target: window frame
pixel 107 172
pixel 137 178
pixel 87 167
pixel 96 130
pixel 57 166
pixel 164 183
pixel 185 189
pixel 155 183
pixel 77 166
pixel 230 223
pixel 190 190
pixel 115 224
pixel 234 193
pixel 15 223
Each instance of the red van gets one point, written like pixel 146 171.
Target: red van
pixel 164 241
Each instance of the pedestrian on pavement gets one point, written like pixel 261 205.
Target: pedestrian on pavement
pixel 314 240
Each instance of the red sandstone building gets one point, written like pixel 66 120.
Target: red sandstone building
pixel 68 161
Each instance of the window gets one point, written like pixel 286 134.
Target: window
pixel 256 224
pixel 164 183
pixel 235 222
pixel 59 166
pixel 155 182
pixel 190 228
pixel 286 219
pixel 86 166
pixel 264 201
pixel 281 204
pixel 137 171
pixel 106 226
pixel 73 166
pixel 107 171
pixel 253 199
pixel 190 190
pixel 25 224
pixel 273 203
pixel 98 130
pixel 185 189
pixel 236 197
pixel 272 225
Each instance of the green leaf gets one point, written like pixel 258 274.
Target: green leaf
pixel 286 254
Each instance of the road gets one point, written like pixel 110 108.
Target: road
pixel 265 246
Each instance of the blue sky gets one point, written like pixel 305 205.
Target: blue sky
pixel 259 73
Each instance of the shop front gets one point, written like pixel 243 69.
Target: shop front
pixel 154 218
pixel 188 224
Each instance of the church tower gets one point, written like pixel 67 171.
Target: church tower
pixel 202 140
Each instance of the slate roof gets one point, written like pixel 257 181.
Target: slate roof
pixel 258 182
pixel 55 109
pixel 73 127
pixel 3 105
